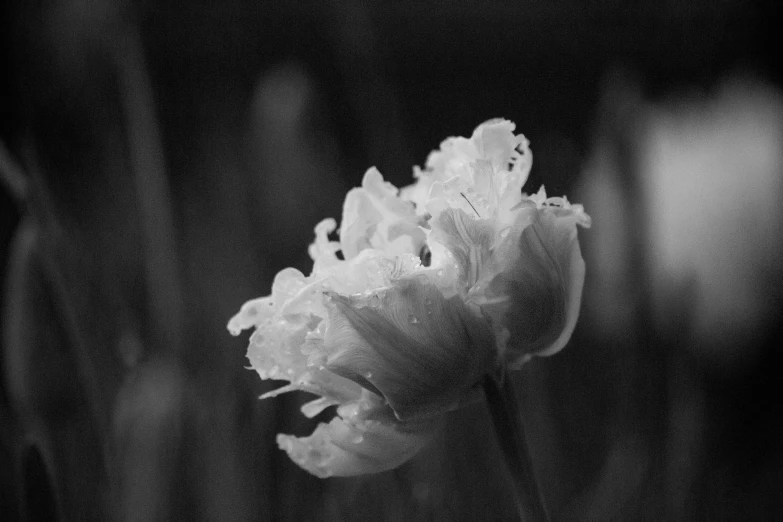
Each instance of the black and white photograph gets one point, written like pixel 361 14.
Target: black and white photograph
pixel 416 260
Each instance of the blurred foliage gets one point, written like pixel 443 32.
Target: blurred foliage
pixel 162 162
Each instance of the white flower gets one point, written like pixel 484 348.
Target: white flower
pixel 396 340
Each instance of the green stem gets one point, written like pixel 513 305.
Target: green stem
pixel 510 430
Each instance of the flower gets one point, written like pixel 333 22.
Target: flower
pixel 441 283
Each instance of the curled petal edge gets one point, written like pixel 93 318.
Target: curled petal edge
pixel 356 442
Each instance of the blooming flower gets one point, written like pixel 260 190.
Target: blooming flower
pixel 440 283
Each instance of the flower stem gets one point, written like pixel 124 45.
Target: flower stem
pixel 510 430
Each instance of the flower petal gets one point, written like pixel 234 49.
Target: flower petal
pixel 420 351
pixel 532 288
pixel 278 350
pixel 470 242
pixel 495 142
pixel 364 438
pixel 481 175
pixel 322 251
pixel 374 217
pixel 287 282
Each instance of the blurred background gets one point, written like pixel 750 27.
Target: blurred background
pixel 161 163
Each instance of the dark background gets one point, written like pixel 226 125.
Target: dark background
pixel 161 163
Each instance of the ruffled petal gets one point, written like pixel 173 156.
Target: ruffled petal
pixel 496 143
pixel 456 193
pixel 322 251
pixel 364 438
pixel 285 341
pixel 374 217
pixel 482 175
pixel 452 159
pixel 395 341
pixel 419 191
pixel 420 351
pixel 532 287
pixel 286 284
pixel 281 349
